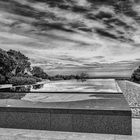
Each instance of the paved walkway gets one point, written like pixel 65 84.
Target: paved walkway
pixel 20 134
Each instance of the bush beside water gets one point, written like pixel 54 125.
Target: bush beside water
pixel 21 81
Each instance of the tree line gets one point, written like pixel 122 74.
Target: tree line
pixel 15 68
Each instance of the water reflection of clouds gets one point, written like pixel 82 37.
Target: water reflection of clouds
pixel 93 85
pixel 35 97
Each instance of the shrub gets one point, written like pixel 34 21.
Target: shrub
pixel 21 81
pixel 9 75
pixel 135 77
pixel 38 79
pixel 29 76
pixel 2 79
pixel 39 72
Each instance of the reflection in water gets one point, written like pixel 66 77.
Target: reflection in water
pixel 27 88
pixel 12 95
pixel 18 92
pixel 13 92
pixel 60 97
pixel 39 86
pixel 24 88
pixel 91 85
pixel 21 89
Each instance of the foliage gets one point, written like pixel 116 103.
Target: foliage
pixel 37 79
pixel 7 63
pixel 83 76
pixel 15 68
pixel 22 61
pixel 21 81
pixel 136 75
pixel 29 76
pixel 9 75
pixel 26 88
pixel 39 72
pixel 2 79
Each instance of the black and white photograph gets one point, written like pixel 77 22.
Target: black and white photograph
pixel 69 69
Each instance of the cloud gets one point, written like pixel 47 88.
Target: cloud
pixel 63 38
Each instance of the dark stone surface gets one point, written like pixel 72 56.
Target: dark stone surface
pixel 74 122
pixel 109 124
pixel 110 115
pixel 3 117
pixel 61 122
pixel 25 120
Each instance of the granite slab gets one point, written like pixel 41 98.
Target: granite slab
pixel 98 113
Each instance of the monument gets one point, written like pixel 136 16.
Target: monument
pixel 67 54
pixel 75 111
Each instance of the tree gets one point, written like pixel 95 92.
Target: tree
pixel 7 63
pixel 22 61
pixel 14 68
pixel 39 72
pixel 21 81
pixel 136 75
pixel 83 76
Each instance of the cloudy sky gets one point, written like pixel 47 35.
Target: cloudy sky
pixel 73 35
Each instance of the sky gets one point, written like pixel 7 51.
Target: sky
pixel 73 35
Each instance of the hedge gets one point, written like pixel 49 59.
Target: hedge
pixel 21 81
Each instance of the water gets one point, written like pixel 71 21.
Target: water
pixel 90 85
pixel 62 91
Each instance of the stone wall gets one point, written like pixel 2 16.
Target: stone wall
pixel 89 121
